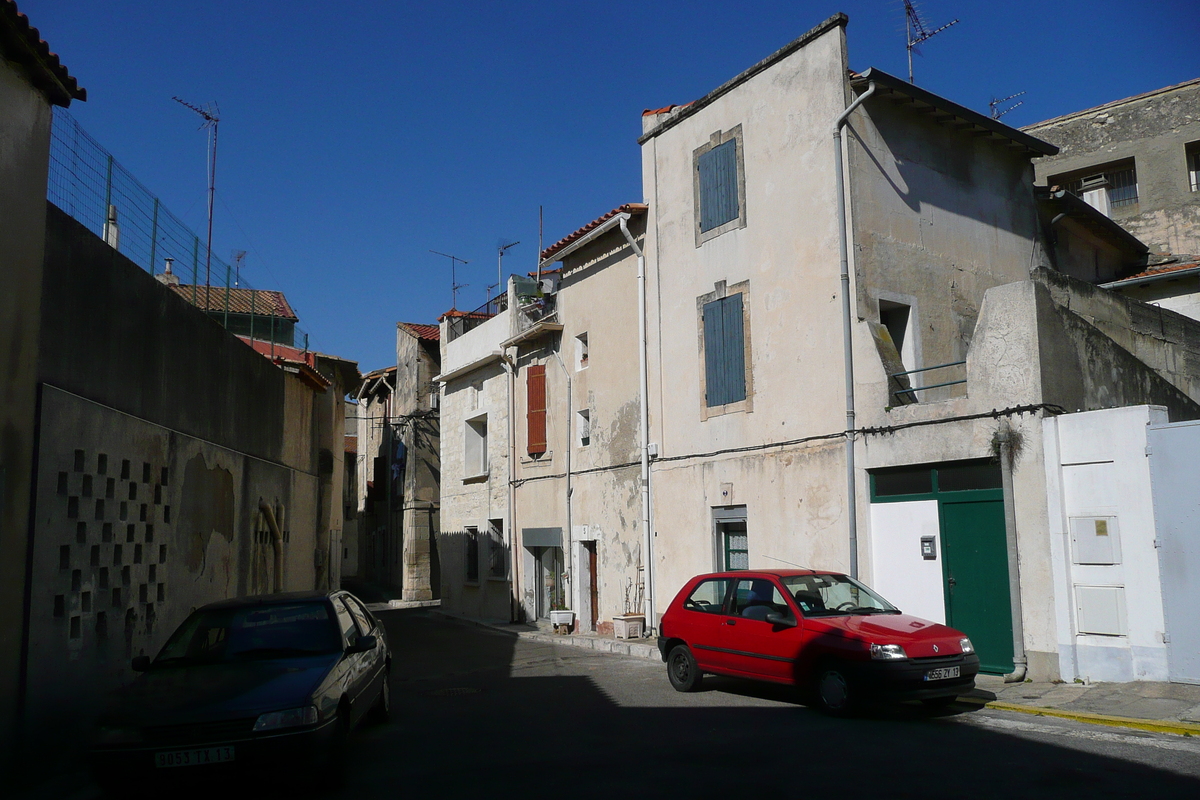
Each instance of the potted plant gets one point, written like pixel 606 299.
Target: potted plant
pixel 630 624
pixel 562 618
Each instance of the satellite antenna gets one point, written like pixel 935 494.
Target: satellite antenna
pixel 454 284
pixel 915 29
pixel 239 256
pixel 500 265
pixel 995 105
pixel 209 113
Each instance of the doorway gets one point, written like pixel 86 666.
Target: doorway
pixel 548 580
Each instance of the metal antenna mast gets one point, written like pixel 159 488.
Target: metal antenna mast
pixel 500 265
pixel 454 284
pixel 995 105
pixel 209 113
pixel 915 29
pixel 238 257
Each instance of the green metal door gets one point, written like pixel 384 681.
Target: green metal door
pixel 975 559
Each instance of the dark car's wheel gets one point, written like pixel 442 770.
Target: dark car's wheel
pixel 835 692
pixel 381 712
pixel 682 669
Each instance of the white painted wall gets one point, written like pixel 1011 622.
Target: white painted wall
pixel 1097 469
pixel 902 575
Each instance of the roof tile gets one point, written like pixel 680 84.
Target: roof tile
pixel 21 42
pixel 628 208
pixel 260 302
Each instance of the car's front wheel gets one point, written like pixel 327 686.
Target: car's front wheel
pixel 834 690
pixel 382 711
pixel 682 669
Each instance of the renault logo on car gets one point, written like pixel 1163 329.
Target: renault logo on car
pixel 935 648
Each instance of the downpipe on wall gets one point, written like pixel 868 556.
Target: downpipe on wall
pixel 847 344
pixel 276 539
pixel 570 550
pixel 644 430
pixel 514 602
pixel 1008 442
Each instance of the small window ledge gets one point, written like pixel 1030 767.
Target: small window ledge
pixel 480 478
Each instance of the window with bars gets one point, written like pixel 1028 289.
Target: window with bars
pixel 1105 187
pixel 1193 165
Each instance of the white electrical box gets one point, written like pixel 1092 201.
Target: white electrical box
pixel 1095 540
pixel 1100 610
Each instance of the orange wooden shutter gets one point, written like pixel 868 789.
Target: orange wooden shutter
pixel 536 385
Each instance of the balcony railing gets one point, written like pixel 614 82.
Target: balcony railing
pixel 910 394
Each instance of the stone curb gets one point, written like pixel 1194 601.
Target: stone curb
pixel 1152 725
pixel 636 648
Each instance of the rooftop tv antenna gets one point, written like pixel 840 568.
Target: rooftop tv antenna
pixel 995 104
pixel 454 284
pixel 500 265
pixel 915 29
pixel 209 114
pixel 239 256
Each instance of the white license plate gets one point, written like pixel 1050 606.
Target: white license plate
pixel 192 758
pixel 941 674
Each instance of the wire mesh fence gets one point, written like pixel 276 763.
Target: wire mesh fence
pixel 91 186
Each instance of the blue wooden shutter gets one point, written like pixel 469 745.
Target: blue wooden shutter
pixel 724 353
pixel 718 185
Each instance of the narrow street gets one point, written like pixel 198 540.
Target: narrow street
pixel 477 711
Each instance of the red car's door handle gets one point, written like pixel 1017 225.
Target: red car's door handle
pixel 731 622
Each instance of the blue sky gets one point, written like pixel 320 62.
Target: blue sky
pixel 357 136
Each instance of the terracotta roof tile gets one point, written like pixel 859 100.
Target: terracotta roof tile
pixel 1152 272
pixel 260 302
pixel 422 331
pixel 20 42
pixel 628 208
pixel 454 313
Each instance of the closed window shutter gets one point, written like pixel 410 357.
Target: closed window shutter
pixel 535 382
pixel 718 186
pixel 724 352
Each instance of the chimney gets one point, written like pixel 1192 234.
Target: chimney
pixel 167 277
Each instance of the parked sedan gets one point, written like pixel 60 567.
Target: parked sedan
pixel 823 632
pixel 258 682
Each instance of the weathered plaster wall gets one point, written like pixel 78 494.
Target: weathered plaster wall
pixel 939 216
pixel 787 252
pixel 471 500
pixel 1152 130
pixel 24 159
pixel 136 525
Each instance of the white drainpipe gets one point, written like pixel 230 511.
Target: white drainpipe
pixel 847 344
pixel 644 429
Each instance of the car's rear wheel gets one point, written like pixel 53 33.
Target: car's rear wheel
pixel 835 692
pixel 682 669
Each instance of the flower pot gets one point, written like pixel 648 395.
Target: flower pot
pixel 562 621
pixel 629 626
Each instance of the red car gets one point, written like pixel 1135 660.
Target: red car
pixel 823 632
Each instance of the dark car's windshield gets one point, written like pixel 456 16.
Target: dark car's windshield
pixel 255 632
pixel 835 595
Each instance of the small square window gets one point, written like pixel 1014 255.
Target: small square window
pixel 583 425
pixel 581 351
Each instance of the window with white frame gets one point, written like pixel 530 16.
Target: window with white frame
pixel 1193 165
pixel 475 447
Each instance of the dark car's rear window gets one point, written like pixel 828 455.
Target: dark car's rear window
pixel 253 632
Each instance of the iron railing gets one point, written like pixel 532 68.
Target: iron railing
pixel 91 186
pixel 915 389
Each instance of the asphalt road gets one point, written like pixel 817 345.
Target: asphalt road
pixel 479 712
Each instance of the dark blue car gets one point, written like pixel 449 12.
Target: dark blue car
pixel 258 683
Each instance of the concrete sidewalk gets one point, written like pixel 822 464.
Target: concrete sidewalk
pixel 1141 705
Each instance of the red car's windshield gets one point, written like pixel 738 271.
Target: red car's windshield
pixel 834 595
